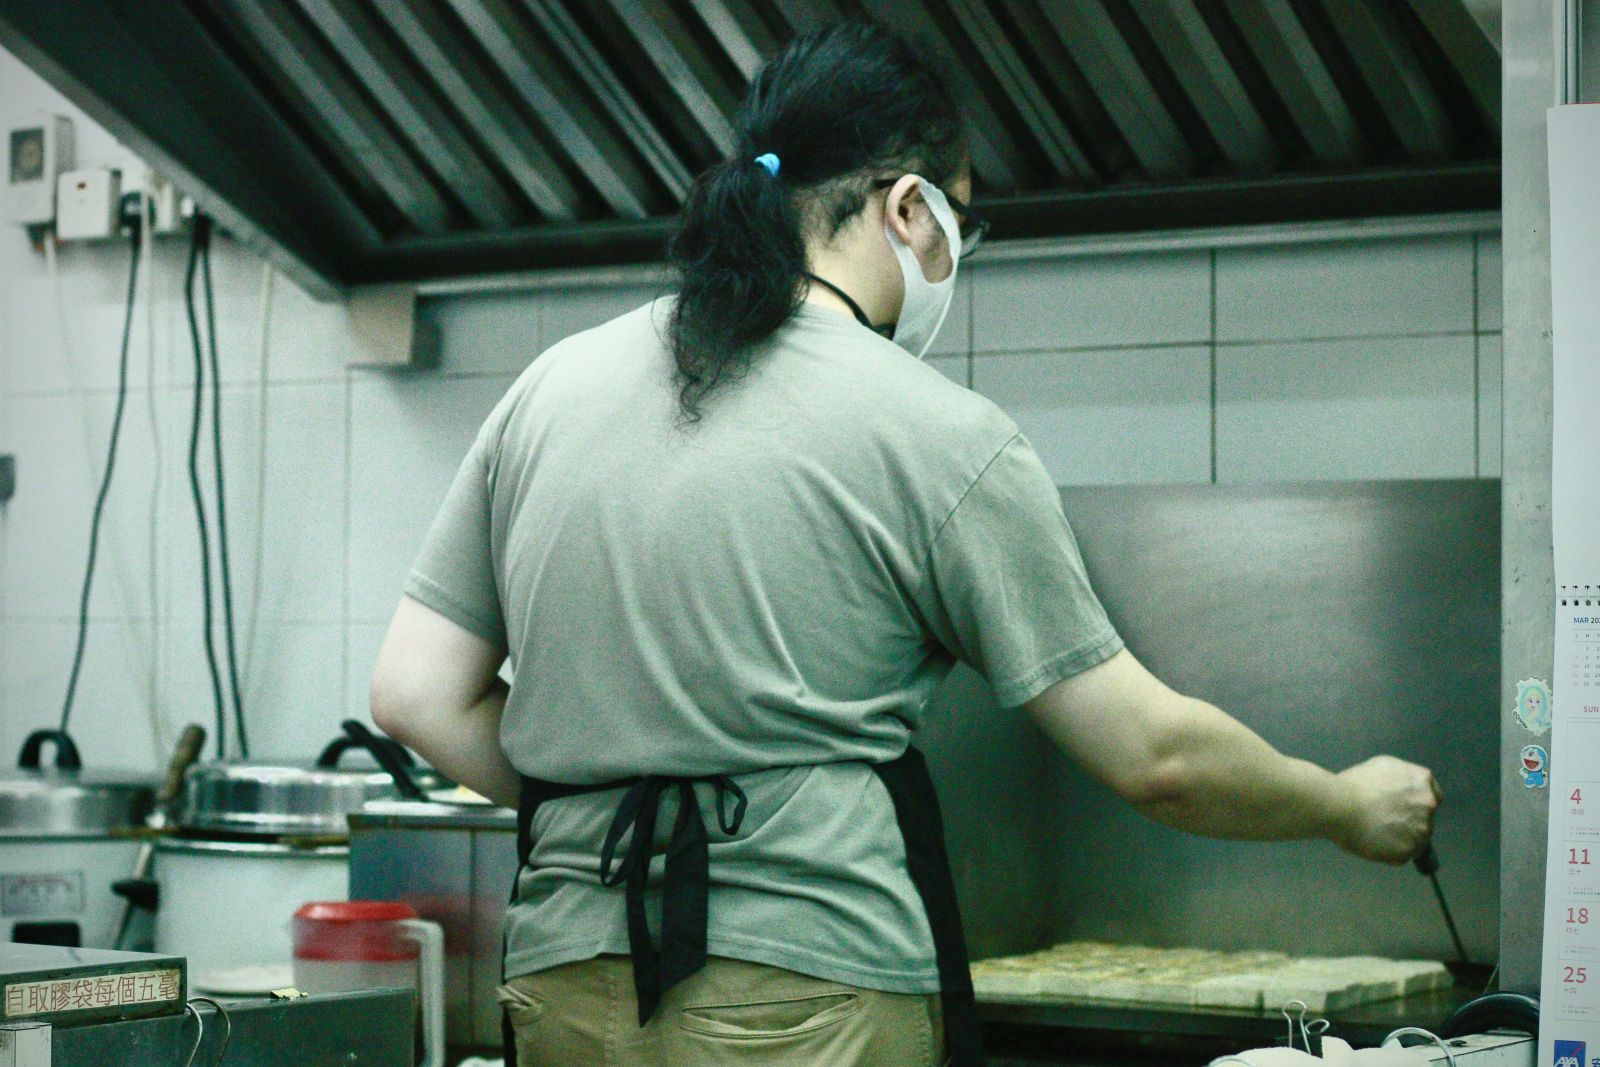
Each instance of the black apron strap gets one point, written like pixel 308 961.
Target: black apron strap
pixel 687 884
pixel 916 809
pixel 685 892
pixel 534 793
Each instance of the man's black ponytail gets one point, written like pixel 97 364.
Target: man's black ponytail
pixel 740 257
pixel 836 108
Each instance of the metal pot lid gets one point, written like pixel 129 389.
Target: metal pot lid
pixel 38 800
pixel 293 801
pixel 280 801
pixel 72 803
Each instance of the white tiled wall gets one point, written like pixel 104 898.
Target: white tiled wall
pixel 1351 408
pixel 1332 360
pixel 1404 287
pixel 1091 302
pixel 1337 360
pixel 407 438
pixel 1100 416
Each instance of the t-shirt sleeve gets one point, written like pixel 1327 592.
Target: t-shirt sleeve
pixel 454 573
pixel 1006 591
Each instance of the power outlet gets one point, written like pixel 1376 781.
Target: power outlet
pixel 8 478
pixel 166 204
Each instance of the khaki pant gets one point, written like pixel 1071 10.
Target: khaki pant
pixel 731 1014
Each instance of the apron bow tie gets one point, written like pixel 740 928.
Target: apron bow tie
pixel 687 884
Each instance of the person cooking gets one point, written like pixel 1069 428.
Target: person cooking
pixel 731 542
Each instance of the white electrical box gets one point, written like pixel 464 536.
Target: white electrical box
pixel 25 1044
pixel 1483 1050
pixel 37 153
pixel 88 203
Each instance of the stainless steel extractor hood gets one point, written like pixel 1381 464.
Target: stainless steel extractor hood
pixel 368 141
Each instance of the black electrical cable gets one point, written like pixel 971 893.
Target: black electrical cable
pixel 198 238
pixel 105 486
pixel 225 571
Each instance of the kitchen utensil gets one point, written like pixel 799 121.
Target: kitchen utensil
pixel 136 931
pixel 66 834
pixel 1428 863
pixel 227 904
pixel 279 800
pixel 371 944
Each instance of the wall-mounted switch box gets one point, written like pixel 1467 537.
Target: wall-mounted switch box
pixel 88 204
pixel 37 152
pixel 8 478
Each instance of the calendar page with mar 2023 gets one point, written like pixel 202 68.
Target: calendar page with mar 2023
pixel 1571 989
pixel 1569 1020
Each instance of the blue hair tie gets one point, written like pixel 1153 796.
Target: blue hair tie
pixel 770 161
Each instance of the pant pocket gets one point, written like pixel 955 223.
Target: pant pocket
pixel 522 1007
pixel 768 1020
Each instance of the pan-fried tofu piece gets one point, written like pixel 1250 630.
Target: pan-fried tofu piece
pixel 1406 976
pixel 1165 989
pixel 1068 985
pixel 1321 985
pixel 1242 962
pixel 1190 977
pixel 1235 991
pixel 1004 978
pixel 1425 975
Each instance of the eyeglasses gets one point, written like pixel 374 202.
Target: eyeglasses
pixel 972 225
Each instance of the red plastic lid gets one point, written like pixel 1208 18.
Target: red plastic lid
pixel 356 911
pixel 353 931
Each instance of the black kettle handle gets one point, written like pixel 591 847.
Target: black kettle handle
pixel 384 751
pixel 67 757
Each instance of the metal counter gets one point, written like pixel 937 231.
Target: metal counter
pixel 373 1028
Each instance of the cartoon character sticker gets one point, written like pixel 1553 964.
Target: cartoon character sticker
pixel 1535 767
pixel 1533 705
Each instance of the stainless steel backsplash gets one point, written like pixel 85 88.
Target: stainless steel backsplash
pixel 1339 620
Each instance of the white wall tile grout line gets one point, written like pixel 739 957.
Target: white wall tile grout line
pixel 1213 358
pixel 349 479
pixel 1477 362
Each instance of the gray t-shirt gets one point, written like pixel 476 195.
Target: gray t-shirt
pixel 772 593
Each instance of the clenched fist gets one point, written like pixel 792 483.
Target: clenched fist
pixel 1387 810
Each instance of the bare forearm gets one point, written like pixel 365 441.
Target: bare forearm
pixel 465 747
pixel 1189 765
pixel 1216 777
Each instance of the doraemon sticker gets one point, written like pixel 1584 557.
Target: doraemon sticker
pixel 1533 706
pixel 1535 767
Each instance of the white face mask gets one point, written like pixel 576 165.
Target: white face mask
pixel 926 303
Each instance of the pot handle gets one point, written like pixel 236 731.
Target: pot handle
pixel 382 750
pixel 67 758
pixel 340 745
pixel 190 742
pixel 429 937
